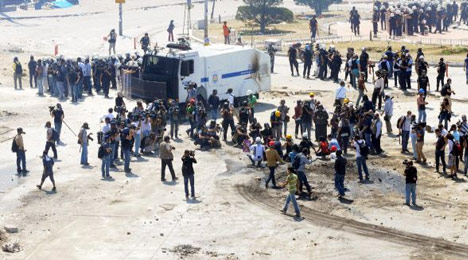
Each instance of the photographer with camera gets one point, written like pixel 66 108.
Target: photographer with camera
pixel 411 174
pixel 165 153
pixel 173 114
pixel 83 139
pixel 58 115
pixel 126 137
pixel 188 159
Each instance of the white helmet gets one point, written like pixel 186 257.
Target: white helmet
pixel 258 140
pixel 249 92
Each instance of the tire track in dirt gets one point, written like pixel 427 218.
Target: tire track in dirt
pixel 253 194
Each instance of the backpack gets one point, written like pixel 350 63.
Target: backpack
pixel 19 69
pixel 456 149
pixel 443 91
pixel 14 146
pixel 363 149
pixel 297 162
pixel 101 152
pixel 55 135
pixel 401 122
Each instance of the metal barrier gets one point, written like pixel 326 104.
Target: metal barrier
pixel 134 87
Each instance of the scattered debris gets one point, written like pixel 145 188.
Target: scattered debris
pixel 11 228
pixel 11 247
pixel 185 250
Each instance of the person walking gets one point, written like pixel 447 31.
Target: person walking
pixel 272 158
pixel 188 159
pixel 17 73
pixel 361 157
pixel 170 31
pixel 411 174
pixel 112 39
pixel 165 153
pixel 145 43
pixel 308 55
pixel 340 172
pixel 292 55
pixel 226 33
pixel 83 139
pixel 299 163
pixel 48 164
pixel 18 148
pixel 291 183
pixel 52 137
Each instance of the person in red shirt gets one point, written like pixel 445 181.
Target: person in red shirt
pixel 323 148
pixel 226 33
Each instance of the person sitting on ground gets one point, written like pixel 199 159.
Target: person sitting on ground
pixel 240 135
pixel 212 132
pixel 203 139
pixel 147 144
pixel 266 133
pixel 332 141
pixel 288 147
pixel 257 150
pixel 323 148
pixel 255 129
pixel 306 143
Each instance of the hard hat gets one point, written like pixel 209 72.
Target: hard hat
pixel 346 101
pixel 421 91
pixel 311 94
pixel 192 101
pixel 333 148
pixel 304 135
pixel 271 143
pixel 288 136
pixel 277 113
pixel 249 92
pixel 258 140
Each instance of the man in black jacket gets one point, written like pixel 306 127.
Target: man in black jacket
pixel 187 171
pixel 340 172
pixel 411 174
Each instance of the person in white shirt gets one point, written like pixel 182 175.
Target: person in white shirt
pixel 110 115
pixel 378 92
pixel 405 127
pixel 257 149
pixel 83 140
pixel 138 124
pixel 388 113
pixel 106 128
pixel 230 97
pixel 340 93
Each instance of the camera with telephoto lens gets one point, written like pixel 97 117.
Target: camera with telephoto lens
pixel 408 163
pixel 51 108
pixel 192 153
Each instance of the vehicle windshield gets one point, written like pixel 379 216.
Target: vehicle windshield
pixel 161 66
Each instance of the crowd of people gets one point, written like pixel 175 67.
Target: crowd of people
pixel 359 125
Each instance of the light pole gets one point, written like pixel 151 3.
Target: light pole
pixel 207 40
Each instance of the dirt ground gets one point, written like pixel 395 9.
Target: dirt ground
pixel 136 216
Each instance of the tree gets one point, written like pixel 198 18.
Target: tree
pixel 317 5
pixel 264 13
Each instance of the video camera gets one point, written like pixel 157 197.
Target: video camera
pixel 51 108
pixel 191 153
